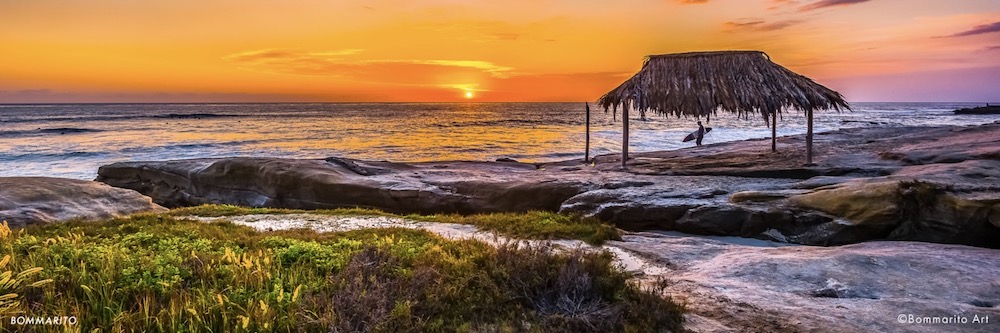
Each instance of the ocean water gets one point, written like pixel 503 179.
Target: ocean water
pixel 73 140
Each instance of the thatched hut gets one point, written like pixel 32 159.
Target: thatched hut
pixel 700 84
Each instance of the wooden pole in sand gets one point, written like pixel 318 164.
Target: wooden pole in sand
pixel 774 131
pixel 586 153
pixel 809 138
pixel 624 135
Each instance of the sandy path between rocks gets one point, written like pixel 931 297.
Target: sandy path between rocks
pixel 627 260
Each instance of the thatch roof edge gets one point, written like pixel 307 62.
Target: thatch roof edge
pixel 701 83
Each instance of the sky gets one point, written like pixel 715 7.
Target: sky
pixel 449 50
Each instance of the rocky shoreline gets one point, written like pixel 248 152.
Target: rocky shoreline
pixel 934 184
pixel 927 184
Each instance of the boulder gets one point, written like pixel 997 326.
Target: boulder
pixel 722 219
pixel 870 209
pixel 452 187
pixel 613 206
pixel 995 216
pixel 900 210
pixel 29 200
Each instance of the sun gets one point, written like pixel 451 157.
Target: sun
pixel 468 94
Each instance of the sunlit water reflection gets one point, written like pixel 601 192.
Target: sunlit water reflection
pixel 73 140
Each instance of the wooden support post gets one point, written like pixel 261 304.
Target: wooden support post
pixel 586 153
pixel 774 131
pixel 809 138
pixel 624 135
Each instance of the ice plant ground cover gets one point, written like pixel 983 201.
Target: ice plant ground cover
pixel 163 272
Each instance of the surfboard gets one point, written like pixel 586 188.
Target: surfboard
pixel 694 134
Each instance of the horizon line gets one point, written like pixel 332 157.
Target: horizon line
pixel 424 102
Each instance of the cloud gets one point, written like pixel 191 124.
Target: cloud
pixel 829 3
pixel 758 25
pixel 960 84
pixel 505 35
pixel 691 2
pixel 25 95
pixel 992 48
pixel 429 72
pixel 979 29
pixel 778 4
pixel 266 54
pixel 56 96
pixel 33 92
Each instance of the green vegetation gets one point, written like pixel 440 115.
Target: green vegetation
pixel 533 225
pixel 159 273
pixel 530 225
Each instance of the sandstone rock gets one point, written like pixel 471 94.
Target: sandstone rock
pixel 872 204
pixel 894 210
pixel 821 181
pixel 626 213
pixel 977 180
pixel 459 187
pixel 737 188
pixel 713 220
pixel 738 285
pixel 763 196
pixel 29 200
pixel 995 215
pixel 656 202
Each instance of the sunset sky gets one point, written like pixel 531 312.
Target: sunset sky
pixel 451 50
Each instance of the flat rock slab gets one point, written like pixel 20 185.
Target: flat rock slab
pixel 735 285
pixel 30 200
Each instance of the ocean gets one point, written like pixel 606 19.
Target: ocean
pixel 73 140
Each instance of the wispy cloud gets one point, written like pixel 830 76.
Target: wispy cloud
pixel 691 2
pixel 339 63
pixel 505 35
pixel 33 92
pixel 978 30
pixel 778 4
pixel 829 3
pixel 266 54
pixel 992 48
pixel 758 25
pixel 59 96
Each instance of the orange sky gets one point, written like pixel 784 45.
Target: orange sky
pixel 512 50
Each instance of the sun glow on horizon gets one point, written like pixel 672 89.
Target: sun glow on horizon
pixel 469 94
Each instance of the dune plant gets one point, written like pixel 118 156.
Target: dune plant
pixel 164 274
pixel 12 285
